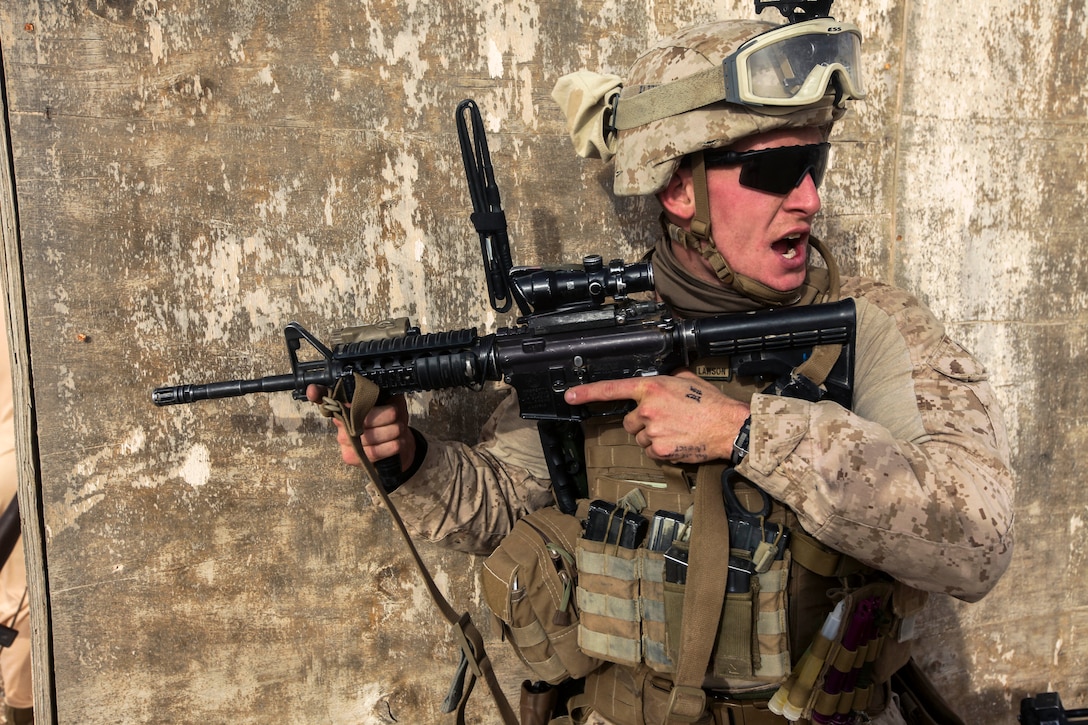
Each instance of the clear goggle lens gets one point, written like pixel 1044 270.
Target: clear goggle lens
pixel 795 65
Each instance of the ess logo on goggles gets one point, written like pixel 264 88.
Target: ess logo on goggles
pixel 776 170
pixel 790 66
pixel 794 65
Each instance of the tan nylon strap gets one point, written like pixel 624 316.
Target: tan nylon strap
pixel 580 708
pixel 817 558
pixel 366 396
pixel 468 637
pixel 819 363
pixel 704 597
pixel 823 357
pixel 834 290
pixel 674 476
pixel 671 99
pixel 700 224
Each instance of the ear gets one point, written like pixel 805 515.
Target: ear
pixel 678 198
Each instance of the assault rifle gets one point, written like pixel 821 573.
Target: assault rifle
pixel 549 352
pixel 579 325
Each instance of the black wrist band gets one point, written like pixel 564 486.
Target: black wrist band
pixel 417 462
pixel 421 453
pixel 740 445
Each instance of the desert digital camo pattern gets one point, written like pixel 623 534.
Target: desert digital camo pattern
pixel 647 156
pixel 935 509
pixel 915 481
pixel 468 498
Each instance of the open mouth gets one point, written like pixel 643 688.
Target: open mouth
pixel 788 246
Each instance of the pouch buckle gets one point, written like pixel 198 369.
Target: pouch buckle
pixel 686 704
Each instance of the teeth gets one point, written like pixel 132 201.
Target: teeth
pixel 791 250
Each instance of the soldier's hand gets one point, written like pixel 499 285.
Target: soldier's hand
pixel 385 432
pixel 679 418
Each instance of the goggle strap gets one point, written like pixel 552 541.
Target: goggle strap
pixel 671 99
pixel 706 87
pixel 836 81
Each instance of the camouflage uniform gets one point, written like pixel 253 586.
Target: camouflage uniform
pixel 915 481
pixel 912 481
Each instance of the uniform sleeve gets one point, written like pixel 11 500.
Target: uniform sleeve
pixel 916 480
pixel 468 497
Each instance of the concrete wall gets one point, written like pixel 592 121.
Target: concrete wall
pixel 189 177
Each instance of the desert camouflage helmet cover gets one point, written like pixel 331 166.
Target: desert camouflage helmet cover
pixel 647 156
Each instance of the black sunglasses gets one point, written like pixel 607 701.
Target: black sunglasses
pixel 776 170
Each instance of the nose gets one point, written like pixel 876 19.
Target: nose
pixel 804 197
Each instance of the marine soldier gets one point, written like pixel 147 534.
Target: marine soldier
pixel 858 510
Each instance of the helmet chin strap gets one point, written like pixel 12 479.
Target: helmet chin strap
pixel 699 240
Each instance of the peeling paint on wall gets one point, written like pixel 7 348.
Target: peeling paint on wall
pixel 191 179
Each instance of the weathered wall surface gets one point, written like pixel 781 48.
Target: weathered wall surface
pixel 192 176
pixel 992 180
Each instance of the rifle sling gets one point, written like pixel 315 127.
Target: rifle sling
pixel 703 599
pixel 468 636
pixel 818 366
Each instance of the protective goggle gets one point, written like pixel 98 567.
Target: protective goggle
pixel 794 65
pixel 776 170
pixel 789 66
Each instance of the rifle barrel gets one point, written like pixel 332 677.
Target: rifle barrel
pixel 178 394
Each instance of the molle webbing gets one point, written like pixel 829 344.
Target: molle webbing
pixel 751 647
pixel 608 601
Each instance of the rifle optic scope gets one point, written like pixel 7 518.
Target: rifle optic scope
pixel 545 290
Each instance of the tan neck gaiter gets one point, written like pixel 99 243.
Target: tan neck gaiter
pixel 691 297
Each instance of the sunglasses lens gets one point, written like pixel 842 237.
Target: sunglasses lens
pixel 780 170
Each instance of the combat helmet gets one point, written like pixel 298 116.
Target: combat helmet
pixel 707 87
